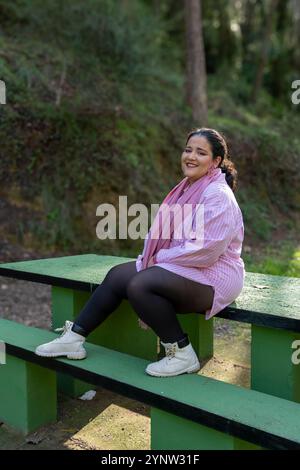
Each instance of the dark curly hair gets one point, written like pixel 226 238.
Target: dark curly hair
pixel 219 149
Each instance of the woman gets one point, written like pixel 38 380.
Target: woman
pixel 200 272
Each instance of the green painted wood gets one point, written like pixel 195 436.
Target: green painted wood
pixel 121 332
pixel 28 394
pixel 237 406
pixel 270 295
pixel 65 305
pixel 272 369
pixel 277 305
pixel 240 444
pixel 171 432
pixel 88 270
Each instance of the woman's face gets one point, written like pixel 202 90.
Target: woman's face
pixel 197 158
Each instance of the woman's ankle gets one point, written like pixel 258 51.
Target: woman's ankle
pixel 182 342
pixel 79 330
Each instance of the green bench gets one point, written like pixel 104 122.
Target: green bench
pixel 273 312
pixel 189 411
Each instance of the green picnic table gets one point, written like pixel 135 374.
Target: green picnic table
pixel 269 303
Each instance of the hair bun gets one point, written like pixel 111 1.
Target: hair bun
pixel 230 171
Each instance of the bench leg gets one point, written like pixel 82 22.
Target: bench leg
pixel 201 333
pixel 171 432
pixel 66 304
pixel 272 369
pixel 28 394
pixel 120 331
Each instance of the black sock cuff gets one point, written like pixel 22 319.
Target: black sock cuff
pixel 183 341
pixel 79 330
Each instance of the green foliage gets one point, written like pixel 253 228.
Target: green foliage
pixel 264 144
pixel 280 260
pixel 96 103
pixel 257 217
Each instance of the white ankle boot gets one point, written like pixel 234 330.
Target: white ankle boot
pixel 177 361
pixel 69 344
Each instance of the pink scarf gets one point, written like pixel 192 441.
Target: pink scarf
pixel 190 196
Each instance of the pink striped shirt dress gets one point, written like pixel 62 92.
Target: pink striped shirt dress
pixel 218 262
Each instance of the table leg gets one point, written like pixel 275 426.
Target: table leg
pixel 201 333
pixel 272 369
pixel 66 304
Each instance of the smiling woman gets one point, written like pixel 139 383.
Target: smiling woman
pixel 210 180
pixel 175 276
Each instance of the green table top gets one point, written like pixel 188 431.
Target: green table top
pixel 266 300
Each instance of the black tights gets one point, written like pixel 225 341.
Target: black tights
pixel 155 294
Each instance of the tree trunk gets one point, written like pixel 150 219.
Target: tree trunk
pixel 196 66
pixel 280 64
pixel 264 50
pixel 247 29
pixel 296 17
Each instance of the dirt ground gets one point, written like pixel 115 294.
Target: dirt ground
pixel 108 421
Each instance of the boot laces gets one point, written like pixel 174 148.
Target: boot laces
pixel 64 329
pixel 170 351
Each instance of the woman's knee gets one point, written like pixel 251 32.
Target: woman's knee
pixel 120 272
pixel 112 275
pixel 116 279
pixel 137 285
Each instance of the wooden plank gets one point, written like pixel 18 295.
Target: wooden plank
pixel 247 414
pixel 277 305
pixel 82 272
pixel 267 300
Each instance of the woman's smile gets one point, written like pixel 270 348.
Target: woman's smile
pixel 191 165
